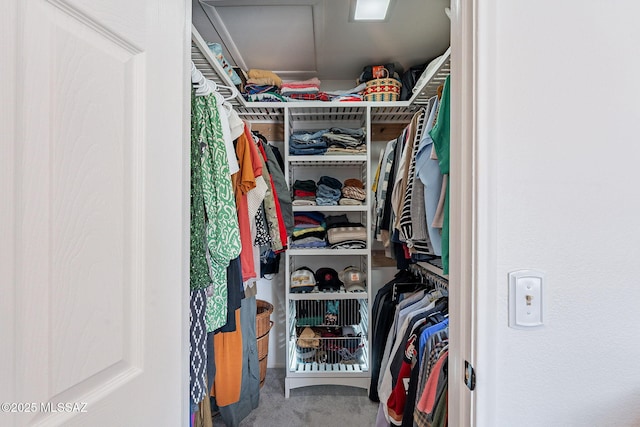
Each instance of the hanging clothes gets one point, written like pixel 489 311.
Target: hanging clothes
pixel 222 230
pixel 244 181
pixel 441 135
pixel 428 172
pixel 411 320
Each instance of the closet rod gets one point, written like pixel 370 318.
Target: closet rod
pixel 439 281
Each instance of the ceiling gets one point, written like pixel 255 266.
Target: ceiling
pixel 300 39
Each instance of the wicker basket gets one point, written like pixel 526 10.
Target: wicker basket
pixel 263 370
pixel 384 89
pixel 263 317
pixel 263 344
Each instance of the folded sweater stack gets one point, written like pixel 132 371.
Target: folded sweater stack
pixel 343 234
pixel 353 192
pixel 304 193
pixel 263 86
pixel 309 230
pixel 345 141
pixel 304 87
pixel 263 78
pixel 329 191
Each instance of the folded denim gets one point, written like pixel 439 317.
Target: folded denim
pixel 358 133
pixel 307 135
pixel 307 152
pixel 344 139
pixel 320 201
pixel 314 143
pixel 342 144
pixel 330 182
pixel 311 243
pixel 339 150
pixel 326 192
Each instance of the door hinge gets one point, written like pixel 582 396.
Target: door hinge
pixel 469 376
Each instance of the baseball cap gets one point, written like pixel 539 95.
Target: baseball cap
pixel 327 279
pixel 354 279
pixel 302 280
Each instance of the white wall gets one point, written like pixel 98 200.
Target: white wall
pixel 559 150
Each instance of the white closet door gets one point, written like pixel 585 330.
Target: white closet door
pixel 94 164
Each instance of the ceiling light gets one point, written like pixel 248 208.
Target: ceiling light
pixel 371 10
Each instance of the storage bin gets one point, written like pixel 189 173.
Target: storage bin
pixel 263 343
pixel 263 317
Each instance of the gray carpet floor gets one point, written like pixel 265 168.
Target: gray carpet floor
pixel 315 406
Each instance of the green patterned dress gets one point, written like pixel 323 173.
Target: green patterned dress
pixel 221 233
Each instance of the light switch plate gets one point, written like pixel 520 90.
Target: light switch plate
pixel 526 299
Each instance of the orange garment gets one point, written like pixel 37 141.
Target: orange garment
pixel 228 355
pixel 255 156
pixel 244 181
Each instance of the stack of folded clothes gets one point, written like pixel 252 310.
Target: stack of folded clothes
pixel 307 143
pixel 343 234
pixel 345 141
pixel 354 94
pixel 263 86
pixel 305 90
pixel 328 192
pixel 353 192
pixel 304 193
pixel 309 230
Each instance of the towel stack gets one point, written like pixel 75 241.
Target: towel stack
pixel 329 191
pixel 309 230
pixel 304 193
pixel 353 192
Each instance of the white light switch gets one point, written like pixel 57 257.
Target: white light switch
pixel 525 298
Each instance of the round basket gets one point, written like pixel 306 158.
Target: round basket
pixel 263 370
pixel 263 344
pixel 263 317
pixel 384 89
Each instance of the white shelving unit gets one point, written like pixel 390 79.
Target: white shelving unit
pixel 304 371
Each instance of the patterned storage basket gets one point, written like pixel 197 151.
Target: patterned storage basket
pixel 383 89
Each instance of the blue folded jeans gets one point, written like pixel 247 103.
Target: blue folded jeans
pixel 311 144
pixel 307 135
pixel 307 151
